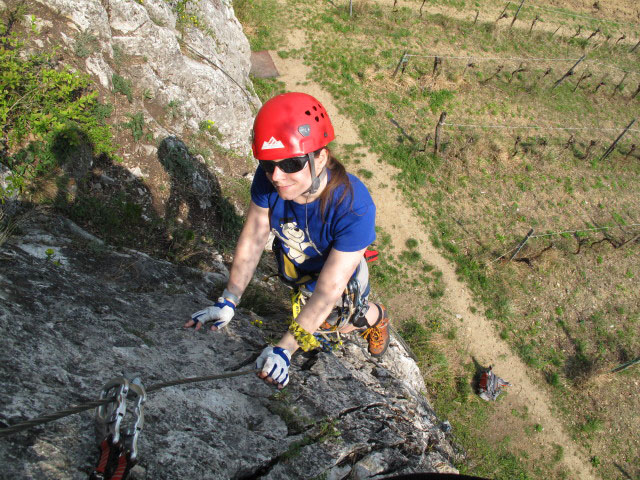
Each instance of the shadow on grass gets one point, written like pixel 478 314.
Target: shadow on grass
pixel 110 202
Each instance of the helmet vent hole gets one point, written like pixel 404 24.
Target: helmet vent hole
pixel 315 109
pixel 317 119
pixel 322 115
pixel 308 113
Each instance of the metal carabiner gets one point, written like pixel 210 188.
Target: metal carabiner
pixel 110 415
pixel 131 435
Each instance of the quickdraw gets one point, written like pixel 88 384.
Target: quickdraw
pixel 118 450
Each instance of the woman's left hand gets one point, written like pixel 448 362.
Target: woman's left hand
pixel 274 362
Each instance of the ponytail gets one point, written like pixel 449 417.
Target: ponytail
pixel 338 178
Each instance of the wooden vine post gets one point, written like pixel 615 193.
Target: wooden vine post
pixel 613 145
pixel 504 12
pixel 524 240
pixel 402 61
pixel 516 15
pixel 436 146
pixel 569 72
pixel 437 65
pixel 624 366
pixel 619 86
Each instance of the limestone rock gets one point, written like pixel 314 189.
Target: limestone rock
pixel 201 64
pixel 68 326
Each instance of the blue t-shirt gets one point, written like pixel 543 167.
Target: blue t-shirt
pixel 348 227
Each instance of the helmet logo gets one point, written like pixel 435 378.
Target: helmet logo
pixel 271 144
pixel 305 130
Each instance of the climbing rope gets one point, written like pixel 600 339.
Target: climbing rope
pixel 19 427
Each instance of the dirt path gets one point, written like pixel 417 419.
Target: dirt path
pixel 478 334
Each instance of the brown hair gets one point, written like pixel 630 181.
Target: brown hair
pixel 338 178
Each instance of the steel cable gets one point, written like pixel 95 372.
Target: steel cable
pixel 19 427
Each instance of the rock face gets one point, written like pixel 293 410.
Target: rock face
pixel 190 55
pixel 75 313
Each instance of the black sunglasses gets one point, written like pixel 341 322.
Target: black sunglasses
pixel 288 165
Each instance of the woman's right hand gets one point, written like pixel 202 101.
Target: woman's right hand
pixel 273 364
pixel 222 312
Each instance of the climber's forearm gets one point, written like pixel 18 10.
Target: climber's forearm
pixel 249 249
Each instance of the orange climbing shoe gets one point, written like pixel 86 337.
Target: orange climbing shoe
pixel 378 335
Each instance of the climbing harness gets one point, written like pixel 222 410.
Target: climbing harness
pixel 118 449
pixel 317 339
pixel 353 308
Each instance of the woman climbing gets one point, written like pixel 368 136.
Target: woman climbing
pixel 323 220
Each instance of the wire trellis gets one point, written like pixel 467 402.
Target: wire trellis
pixel 475 58
pixel 586 17
pixel 538 127
pixel 564 232
pixel 517 59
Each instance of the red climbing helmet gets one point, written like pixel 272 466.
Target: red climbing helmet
pixel 290 125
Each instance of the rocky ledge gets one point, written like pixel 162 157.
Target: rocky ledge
pixel 76 312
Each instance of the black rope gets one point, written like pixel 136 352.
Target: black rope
pixel 19 427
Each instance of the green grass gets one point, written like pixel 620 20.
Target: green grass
pixel 123 86
pixel 46 112
pixel 85 44
pixel 478 181
pixel 454 400
pixel 267 88
pixel 264 21
pixel 136 125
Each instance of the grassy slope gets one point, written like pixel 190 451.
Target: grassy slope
pixel 570 315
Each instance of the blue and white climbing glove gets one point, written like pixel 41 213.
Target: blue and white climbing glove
pixel 222 312
pixel 274 362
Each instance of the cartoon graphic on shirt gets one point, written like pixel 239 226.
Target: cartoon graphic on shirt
pixel 294 238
